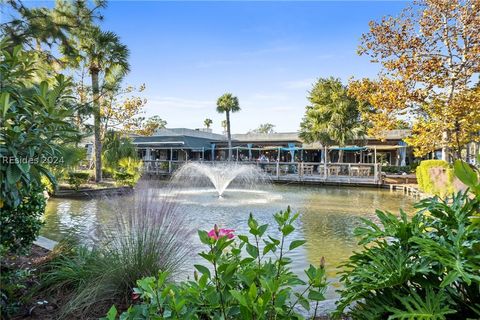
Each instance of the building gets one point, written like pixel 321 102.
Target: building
pixel 178 144
pixel 181 144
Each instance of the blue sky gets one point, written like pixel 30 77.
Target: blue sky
pixel 266 53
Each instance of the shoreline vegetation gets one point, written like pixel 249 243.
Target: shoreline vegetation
pixel 403 230
pixel 63 80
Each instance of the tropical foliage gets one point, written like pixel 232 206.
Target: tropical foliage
pixel 35 120
pixel 242 280
pixel 129 171
pixel 49 30
pixel 121 159
pixel 28 215
pixel 430 59
pixel 264 128
pixel 332 117
pixel 76 179
pixel 423 267
pixel 107 61
pixel 468 175
pixel 116 147
pixel 227 104
pixel 147 236
pixel 207 123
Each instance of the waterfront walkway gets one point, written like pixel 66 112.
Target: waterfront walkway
pixel 295 172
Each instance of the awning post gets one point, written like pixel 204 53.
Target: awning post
pixel 325 156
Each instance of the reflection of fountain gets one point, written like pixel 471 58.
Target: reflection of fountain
pixel 201 176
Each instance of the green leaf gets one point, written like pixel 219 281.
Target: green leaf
pixel 316 295
pixel 451 277
pixel 252 223
pixel 252 292
pixel 239 297
pixel 13 173
pixel 252 250
pixel 203 235
pixel 262 229
pixel 203 269
pixel 429 305
pixel 5 103
pixel 246 261
pixel 25 167
pixel 287 229
pixel 303 302
pixel 465 173
pixel 269 247
pixel 243 238
pixel 296 243
pixel 112 313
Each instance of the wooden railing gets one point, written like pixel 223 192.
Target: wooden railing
pixel 304 171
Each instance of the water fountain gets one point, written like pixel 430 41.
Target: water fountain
pixel 203 176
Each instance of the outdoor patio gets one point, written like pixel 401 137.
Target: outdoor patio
pixel 348 173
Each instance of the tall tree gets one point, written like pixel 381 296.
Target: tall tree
pixel 149 126
pixel 207 122
pixel 48 31
pixel 121 111
pixel 264 128
pixel 223 124
pixel 227 104
pixel 333 117
pixel 430 56
pixel 107 61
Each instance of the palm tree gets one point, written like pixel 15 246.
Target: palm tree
pixel 332 117
pixel 225 104
pixel 207 122
pixel 107 58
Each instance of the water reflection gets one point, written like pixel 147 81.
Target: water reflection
pixel 328 217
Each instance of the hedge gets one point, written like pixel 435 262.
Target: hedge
pixel 426 182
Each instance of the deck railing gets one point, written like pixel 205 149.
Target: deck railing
pixel 293 171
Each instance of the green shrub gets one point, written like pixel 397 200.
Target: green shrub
pixel 423 267
pixel 396 169
pixel 72 157
pixel 76 179
pixel 36 119
pixel 426 182
pixel 12 289
pixel 241 281
pixel 164 166
pixel 115 148
pixel 129 171
pixel 20 225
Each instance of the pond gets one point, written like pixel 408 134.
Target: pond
pixel 328 216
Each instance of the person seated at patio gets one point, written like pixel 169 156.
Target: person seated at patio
pixel 262 159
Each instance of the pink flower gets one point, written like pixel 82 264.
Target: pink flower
pixel 216 233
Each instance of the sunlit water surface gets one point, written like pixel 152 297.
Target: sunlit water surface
pixel 327 220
